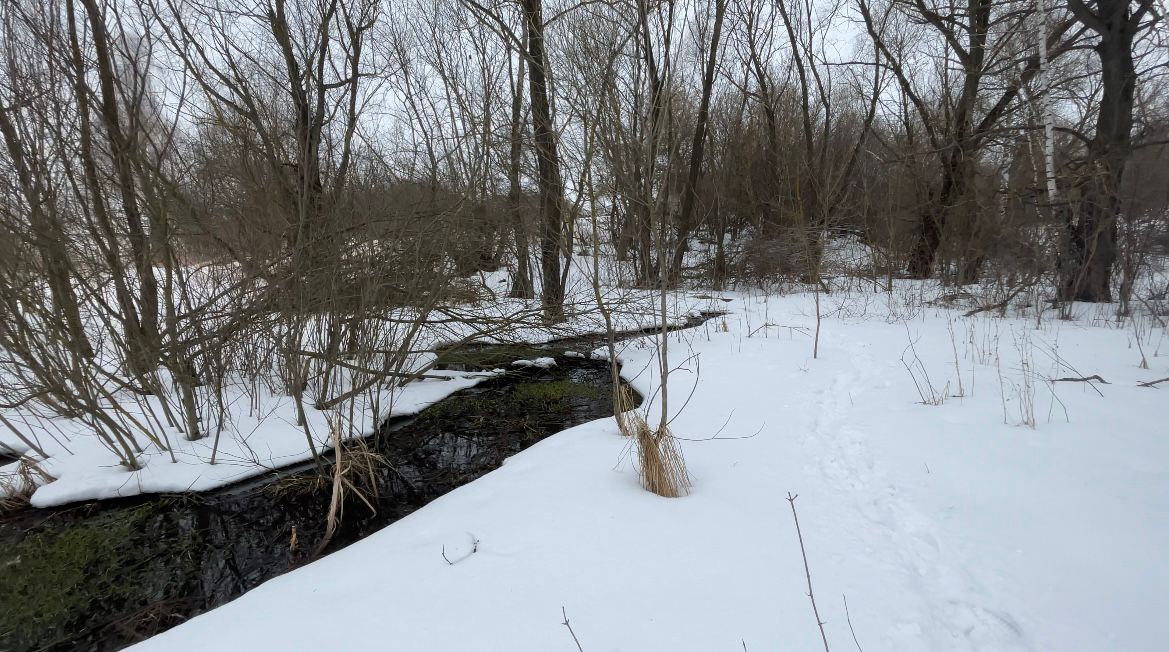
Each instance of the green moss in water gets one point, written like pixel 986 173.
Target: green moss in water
pixel 551 393
pixel 456 407
pixel 58 580
pixel 524 400
pixel 488 357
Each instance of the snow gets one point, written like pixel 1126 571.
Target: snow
pixel 538 363
pixel 1019 513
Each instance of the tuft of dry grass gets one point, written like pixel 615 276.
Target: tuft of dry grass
pixel 623 410
pixel 12 501
pixel 16 488
pixel 661 467
pixel 354 473
pixel 356 470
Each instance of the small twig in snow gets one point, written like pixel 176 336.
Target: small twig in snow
pixel 1152 383
pixel 849 619
pixel 820 623
pixel 474 549
pixel 566 624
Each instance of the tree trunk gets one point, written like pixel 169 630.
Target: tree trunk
pixel 1090 251
pixel 521 283
pixel 146 341
pixel 49 238
pixel 719 271
pixel 933 219
pixel 548 163
pixel 694 174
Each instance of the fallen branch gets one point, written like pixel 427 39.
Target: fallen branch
pixel 474 549
pixel 792 501
pixel 1086 379
pixel 1001 304
pixel 1152 383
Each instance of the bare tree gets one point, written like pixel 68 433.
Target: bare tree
pixel 984 38
pixel 1086 265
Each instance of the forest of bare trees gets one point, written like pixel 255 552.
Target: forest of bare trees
pixel 285 191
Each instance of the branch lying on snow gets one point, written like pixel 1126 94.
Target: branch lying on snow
pixel 1001 304
pixel 1086 379
pixel 1153 383
pixel 823 636
pixel 474 549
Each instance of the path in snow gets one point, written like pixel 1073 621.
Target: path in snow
pixel 961 614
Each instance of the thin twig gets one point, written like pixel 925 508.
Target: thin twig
pixel 1152 383
pixel 474 549
pixel 849 619
pixel 566 624
pixel 807 572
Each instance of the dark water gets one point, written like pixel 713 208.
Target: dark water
pixel 101 576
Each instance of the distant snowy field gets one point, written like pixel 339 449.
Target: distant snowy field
pixel 956 493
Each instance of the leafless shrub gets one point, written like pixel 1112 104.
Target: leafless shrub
pixel 1025 389
pixel 775 261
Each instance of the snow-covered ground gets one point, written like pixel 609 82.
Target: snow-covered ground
pixel 955 493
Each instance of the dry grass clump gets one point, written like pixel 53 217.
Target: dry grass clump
pixel 16 488
pixel 623 410
pixel 356 469
pixel 661 466
pixel 11 501
pixel 354 473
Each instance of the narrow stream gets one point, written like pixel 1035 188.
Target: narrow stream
pixel 100 576
pixel 103 575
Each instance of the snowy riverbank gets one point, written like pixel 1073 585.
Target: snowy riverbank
pixel 260 430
